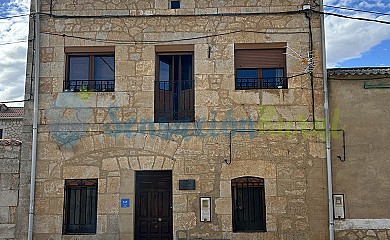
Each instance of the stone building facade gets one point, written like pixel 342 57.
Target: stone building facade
pixel 157 167
pixel 9 186
pixel 358 98
pixel 11 122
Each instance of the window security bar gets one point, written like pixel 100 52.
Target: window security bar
pixel 261 83
pixel 89 85
pixel 174 101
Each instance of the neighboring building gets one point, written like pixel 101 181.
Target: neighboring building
pixel 177 119
pixel 359 100
pixel 9 186
pixel 11 122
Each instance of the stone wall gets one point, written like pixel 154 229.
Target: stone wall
pixel 110 135
pixel 292 166
pixel 12 128
pixel 9 187
pixel 357 234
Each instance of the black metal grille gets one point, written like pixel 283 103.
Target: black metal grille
pixel 89 85
pixel 174 101
pixel 261 83
pixel 80 206
pixel 248 204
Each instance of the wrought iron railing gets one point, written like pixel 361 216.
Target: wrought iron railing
pixel 174 101
pixel 261 83
pixel 89 85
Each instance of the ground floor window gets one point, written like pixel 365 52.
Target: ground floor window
pixel 80 206
pixel 248 204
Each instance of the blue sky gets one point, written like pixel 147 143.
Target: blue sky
pixel 349 43
pixel 353 43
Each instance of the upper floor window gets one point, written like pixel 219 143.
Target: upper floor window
pixel 174 4
pixel 80 206
pixel 248 198
pixel 260 66
pixel 90 69
pixel 174 86
pixel 1 133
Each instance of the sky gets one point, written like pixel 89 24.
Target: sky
pixel 349 43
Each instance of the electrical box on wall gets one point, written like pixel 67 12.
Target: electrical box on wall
pixel 338 206
pixel 205 209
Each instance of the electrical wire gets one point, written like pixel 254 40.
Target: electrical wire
pixel 15 16
pixel 8 43
pixel 167 41
pixel 176 15
pixel 14 101
pixel 358 10
pixel 354 18
pixel 222 14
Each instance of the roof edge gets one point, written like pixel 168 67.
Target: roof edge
pixel 359 71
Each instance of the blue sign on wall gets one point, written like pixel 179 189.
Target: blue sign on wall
pixel 125 203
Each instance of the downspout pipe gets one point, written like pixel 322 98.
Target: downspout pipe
pixel 327 127
pixel 35 121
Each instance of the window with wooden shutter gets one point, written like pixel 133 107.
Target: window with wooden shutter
pixel 260 66
pixel 174 95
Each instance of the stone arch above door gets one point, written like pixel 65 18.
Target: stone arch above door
pixel 101 154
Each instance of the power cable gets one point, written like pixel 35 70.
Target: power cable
pixel 176 15
pixel 167 41
pixel 15 16
pixel 353 18
pixel 7 43
pixel 358 10
pixel 14 101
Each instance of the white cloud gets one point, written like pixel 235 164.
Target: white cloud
pixel 347 38
pixel 13 56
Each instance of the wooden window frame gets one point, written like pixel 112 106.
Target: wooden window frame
pixel 255 182
pixel 81 185
pixel 273 48
pixel 90 52
pixel 175 50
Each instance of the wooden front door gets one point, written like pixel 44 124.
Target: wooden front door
pixel 153 205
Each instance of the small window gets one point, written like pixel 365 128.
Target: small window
pixel 260 66
pixel 174 4
pixel 90 71
pixel 1 133
pixel 80 206
pixel 174 86
pixel 248 204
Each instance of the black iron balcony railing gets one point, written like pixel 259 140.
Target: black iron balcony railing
pixel 261 83
pixel 89 85
pixel 174 101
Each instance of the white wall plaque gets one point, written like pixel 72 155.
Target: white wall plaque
pixel 338 206
pixel 205 209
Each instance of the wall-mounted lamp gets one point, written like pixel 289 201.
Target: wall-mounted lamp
pixel 306 6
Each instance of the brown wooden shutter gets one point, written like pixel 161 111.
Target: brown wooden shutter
pixel 174 48
pixel 260 58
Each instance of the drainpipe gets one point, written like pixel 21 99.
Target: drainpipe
pixel 327 126
pixel 35 122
